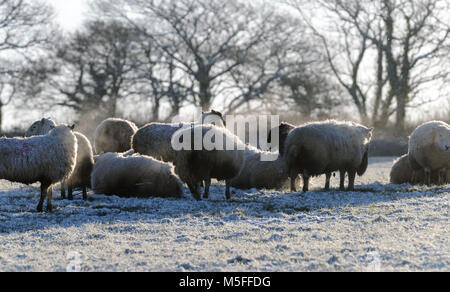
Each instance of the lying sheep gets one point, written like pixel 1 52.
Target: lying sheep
pixel 134 176
pixel 402 173
pixel 114 135
pixel 260 174
pixel 429 149
pixel 325 147
pixel 81 175
pixel 154 139
pixel 193 166
pixel 46 159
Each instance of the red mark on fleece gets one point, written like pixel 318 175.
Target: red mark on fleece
pixel 22 148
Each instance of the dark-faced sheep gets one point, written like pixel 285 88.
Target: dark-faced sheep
pixel 198 162
pixel 429 149
pixel 114 135
pixel 325 147
pixel 47 159
pixel 81 176
pixel 134 176
pixel 402 173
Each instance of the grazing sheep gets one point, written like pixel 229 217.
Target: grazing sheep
pixel 429 149
pixel 325 147
pixel 154 139
pixel 46 159
pixel 260 174
pixel 193 166
pixel 41 127
pixel 81 176
pixel 402 173
pixel 134 176
pixel 114 135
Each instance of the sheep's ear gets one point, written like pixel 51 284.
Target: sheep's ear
pixel 72 127
pixel 43 121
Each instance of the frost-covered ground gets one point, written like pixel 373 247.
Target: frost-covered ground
pixel 379 227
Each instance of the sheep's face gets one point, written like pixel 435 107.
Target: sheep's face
pixel 213 117
pixel 42 127
pixel 443 140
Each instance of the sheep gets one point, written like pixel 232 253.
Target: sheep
pixel 218 162
pixel 85 160
pixel 154 139
pixel 283 131
pixel 114 135
pixel 257 173
pixel 41 127
pixel 46 159
pixel 402 173
pixel 429 149
pixel 324 147
pixel 134 176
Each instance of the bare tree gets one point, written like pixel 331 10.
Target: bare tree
pixel 23 25
pixel 206 39
pixel 95 67
pixel 408 37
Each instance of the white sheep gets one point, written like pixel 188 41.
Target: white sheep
pixel 41 127
pixel 259 173
pixel 134 176
pixel 402 173
pixel 194 165
pixel 154 139
pixel 81 176
pixel 46 159
pixel 429 149
pixel 114 135
pixel 325 147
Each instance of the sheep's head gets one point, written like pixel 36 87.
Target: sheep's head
pixel 213 117
pixel 283 131
pixel 41 127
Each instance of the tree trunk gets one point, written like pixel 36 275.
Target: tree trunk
pixel 400 113
pixel 1 117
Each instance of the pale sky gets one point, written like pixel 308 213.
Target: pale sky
pixel 70 14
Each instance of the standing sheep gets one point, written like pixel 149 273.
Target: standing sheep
pixel 324 147
pixel 114 135
pixel 154 139
pixel 402 173
pixel 219 162
pixel 41 127
pixel 81 175
pixel 134 176
pixel 257 173
pixel 46 159
pixel 429 149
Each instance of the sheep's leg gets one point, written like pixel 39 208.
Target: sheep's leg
pixel 84 193
pixel 63 190
pixel 342 180
pixel 441 176
pixel 427 176
pixel 69 191
pixel 305 177
pixel 44 188
pixel 293 178
pixel 351 180
pixel 193 187
pixel 327 181
pixel 413 177
pixel 227 189
pixel 49 199
pixel 207 185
